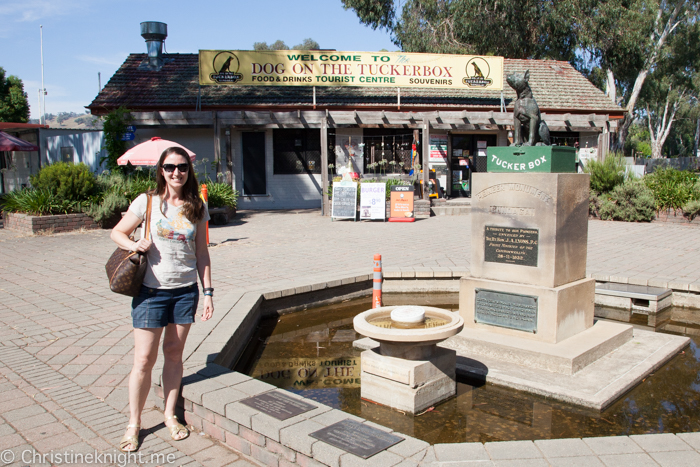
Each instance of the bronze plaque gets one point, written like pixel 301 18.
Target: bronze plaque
pixel 356 438
pixel 507 310
pixel 278 405
pixel 511 245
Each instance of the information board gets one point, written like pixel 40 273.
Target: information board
pixel 344 202
pixel 401 203
pixel 372 201
pixel 511 245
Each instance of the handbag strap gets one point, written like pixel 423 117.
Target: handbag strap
pixel 147 225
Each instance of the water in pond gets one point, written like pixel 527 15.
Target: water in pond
pixel 311 353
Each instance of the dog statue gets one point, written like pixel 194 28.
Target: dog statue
pixel 527 122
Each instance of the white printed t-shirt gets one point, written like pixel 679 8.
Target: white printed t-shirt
pixel 172 262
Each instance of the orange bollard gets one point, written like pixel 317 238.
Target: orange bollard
pixel 205 198
pixel 377 282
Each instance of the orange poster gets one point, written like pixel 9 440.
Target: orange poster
pixel 401 202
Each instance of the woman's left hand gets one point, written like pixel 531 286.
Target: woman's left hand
pixel 208 308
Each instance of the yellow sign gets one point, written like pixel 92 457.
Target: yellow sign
pixel 330 68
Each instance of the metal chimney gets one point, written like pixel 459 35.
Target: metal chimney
pixel 154 33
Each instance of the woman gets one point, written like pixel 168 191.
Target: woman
pixel 168 299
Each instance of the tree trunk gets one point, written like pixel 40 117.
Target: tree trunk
pixel 612 91
pixel 657 40
pixel 697 138
pixel 662 127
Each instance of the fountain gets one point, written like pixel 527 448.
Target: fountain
pixel 408 371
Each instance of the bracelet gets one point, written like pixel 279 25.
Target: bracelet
pixel 208 289
pixel 208 294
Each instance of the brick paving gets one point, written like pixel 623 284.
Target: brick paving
pixel 66 347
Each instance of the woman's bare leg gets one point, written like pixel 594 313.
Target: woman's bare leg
pixel 145 354
pixel 173 346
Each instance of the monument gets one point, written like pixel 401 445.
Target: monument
pixel 527 305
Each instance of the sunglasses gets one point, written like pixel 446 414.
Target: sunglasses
pixel 170 168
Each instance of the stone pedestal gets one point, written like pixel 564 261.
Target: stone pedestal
pixel 530 228
pixel 408 371
pixel 561 312
pixel 409 385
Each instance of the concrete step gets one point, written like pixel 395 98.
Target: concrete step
pixel 460 210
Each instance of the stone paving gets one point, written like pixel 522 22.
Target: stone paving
pixel 66 348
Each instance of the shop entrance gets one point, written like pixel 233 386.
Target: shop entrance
pixel 254 178
pixel 388 150
pixel 468 155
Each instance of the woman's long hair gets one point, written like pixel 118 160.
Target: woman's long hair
pixel 193 209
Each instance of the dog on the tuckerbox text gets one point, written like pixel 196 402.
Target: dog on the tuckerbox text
pixel 527 120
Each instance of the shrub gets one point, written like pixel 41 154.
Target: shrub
pixel 115 192
pixel 606 175
pixel 37 202
pixel 70 182
pixel 691 209
pixel 221 195
pixel 632 201
pixel 673 188
pixel 110 205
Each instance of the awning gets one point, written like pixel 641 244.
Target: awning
pixel 12 143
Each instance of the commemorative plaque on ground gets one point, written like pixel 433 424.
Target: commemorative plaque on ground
pixel 277 405
pixel 356 438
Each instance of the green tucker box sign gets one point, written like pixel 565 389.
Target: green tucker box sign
pixel 547 159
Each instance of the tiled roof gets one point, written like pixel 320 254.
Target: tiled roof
pixel 556 85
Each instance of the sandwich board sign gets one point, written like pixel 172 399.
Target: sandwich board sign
pixel 344 202
pixel 401 202
pixel 373 201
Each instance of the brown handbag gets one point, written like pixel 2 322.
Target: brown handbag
pixel 126 269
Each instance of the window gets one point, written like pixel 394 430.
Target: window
pixel 296 151
pixel 67 154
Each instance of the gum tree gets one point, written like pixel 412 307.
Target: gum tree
pixel 14 106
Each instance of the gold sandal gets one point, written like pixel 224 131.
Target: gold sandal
pixel 177 428
pixel 130 439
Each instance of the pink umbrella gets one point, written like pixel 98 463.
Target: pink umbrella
pixel 11 143
pixel 149 152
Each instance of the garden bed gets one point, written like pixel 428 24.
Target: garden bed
pixel 221 216
pixel 29 224
pixel 675 216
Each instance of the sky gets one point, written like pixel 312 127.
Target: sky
pixel 84 37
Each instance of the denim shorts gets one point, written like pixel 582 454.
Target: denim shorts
pixel 156 308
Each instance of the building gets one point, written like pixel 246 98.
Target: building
pixel 279 144
pixel 55 145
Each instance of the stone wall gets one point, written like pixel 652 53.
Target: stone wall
pixel 28 224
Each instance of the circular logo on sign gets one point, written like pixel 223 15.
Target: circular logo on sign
pixel 226 67
pixel 478 71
